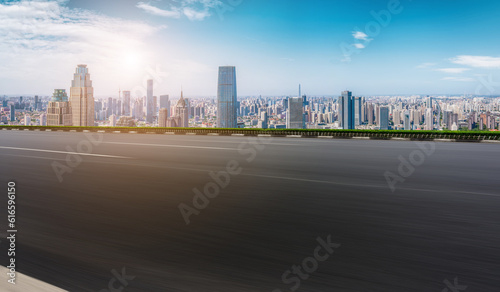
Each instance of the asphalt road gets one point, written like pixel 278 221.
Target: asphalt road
pixel 117 208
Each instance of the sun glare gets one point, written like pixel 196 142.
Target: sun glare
pixel 132 59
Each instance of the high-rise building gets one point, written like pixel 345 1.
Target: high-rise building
pixel 155 105
pixel 346 110
pixel 406 122
pixel 295 113
pixel 396 117
pixel 27 120
pixel 12 113
pixel 113 106
pixel 109 107
pixel 126 103
pixel 82 97
pixel 188 104
pixel 138 109
pixel 429 102
pixel 448 119
pixel 370 113
pixel 118 108
pixel 37 101
pixel 59 111
pixel 181 110
pixel 163 117
pixel 43 119
pixel 429 119
pixel 227 98
pixel 357 111
pixel 112 121
pixel 417 117
pixel 164 102
pixel 263 123
pixel 363 111
pixel 149 102
pixel 384 118
pixel 98 106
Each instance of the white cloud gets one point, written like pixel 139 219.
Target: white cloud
pixel 359 35
pixel 453 70
pixel 426 65
pixel 460 79
pixel 41 42
pixel 192 9
pixel 174 13
pixel 192 14
pixel 477 61
pixel 359 46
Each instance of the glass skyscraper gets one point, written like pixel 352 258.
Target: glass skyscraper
pixel 12 113
pixel 346 110
pixel 227 98
pixel 164 102
pixel 406 121
pixel 358 105
pixel 384 118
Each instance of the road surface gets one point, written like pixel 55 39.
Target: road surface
pixel 102 210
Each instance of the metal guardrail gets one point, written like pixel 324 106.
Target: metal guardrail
pixel 309 133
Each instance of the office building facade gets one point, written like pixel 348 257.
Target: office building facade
pixel 227 98
pixel 407 121
pixel 163 117
pixel 346 110
pixel 12 113
pixel 182 111
pixel 82 98
pixel 59 111
pixel 384 118
pixel 295 113
pixel 164 102
pixel 357 111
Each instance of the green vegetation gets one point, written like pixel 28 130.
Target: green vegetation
pixel 382 134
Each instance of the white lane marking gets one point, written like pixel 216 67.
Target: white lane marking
pixel 315 181
pixel 42 133
pixel 219 139
pixel 173 146
pixel 370 186
pixel 29 156
pixel 61 152
pixel 241 142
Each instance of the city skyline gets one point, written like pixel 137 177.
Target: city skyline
pixel 345 112
pixel 385 49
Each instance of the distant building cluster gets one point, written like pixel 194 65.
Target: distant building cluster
pixel 227 110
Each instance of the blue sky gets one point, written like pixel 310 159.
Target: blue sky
pixel 426 47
